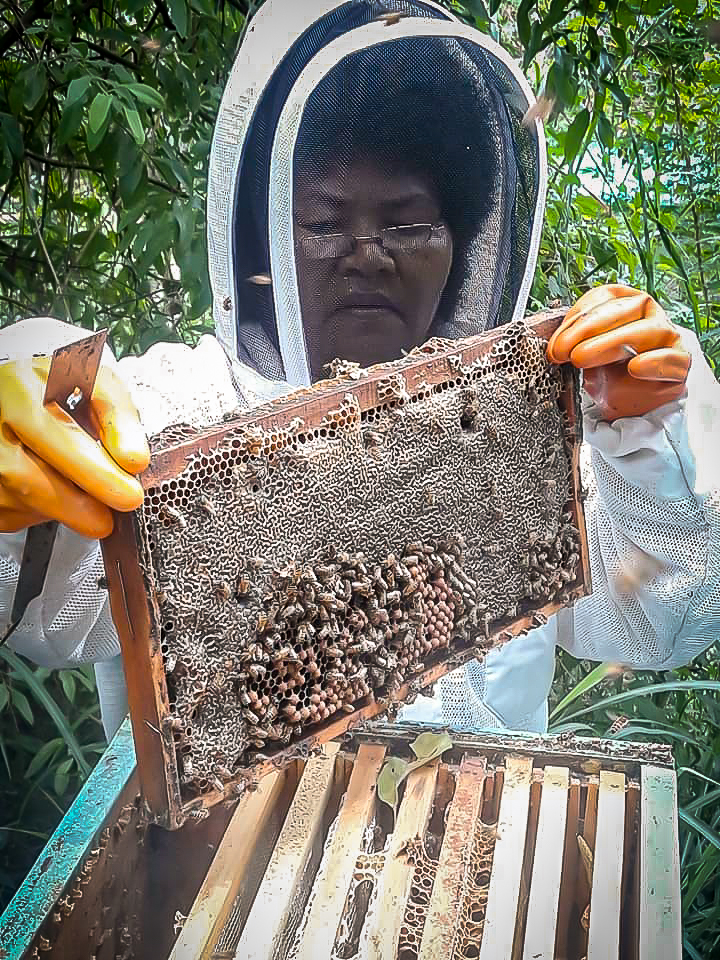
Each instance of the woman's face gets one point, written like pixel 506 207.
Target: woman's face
pixel 368 304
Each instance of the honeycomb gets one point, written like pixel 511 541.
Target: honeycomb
pixel 361 901
pixel 474 896
pixel 300 570
pixel 424 870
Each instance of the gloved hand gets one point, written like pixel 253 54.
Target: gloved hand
pixel 631 356
pixel 52 469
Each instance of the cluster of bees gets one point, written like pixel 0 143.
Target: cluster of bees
pixel 335 631
pixel 446 512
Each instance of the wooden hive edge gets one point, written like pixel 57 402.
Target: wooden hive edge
pixel 423 367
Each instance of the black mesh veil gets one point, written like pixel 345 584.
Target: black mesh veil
pixel 423 104
pixel 426 95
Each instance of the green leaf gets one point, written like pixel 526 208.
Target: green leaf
pixel 21 704
pixel 617 91
pixel 86 676
pixel 61 780
pixel 99 109
pixel 712 796
pixel 135 124
pixel 700 827
pixel 575 135
pixel 77 90
pixel 620 38
pixel 393 772
pixel 708 870
pixel 67 681
pixel 94 140
pixel 4 696
pixel 588 206
pixel 647 690
pixel 592 679
pixel 179 15
pixel 146 94
pixel 523 21
pixel 69 122
pixel 12 135
pixel 605 132
pixel 41 695
pixel 35 80
pixel 43 756
pixel 185 216
pixel 428 746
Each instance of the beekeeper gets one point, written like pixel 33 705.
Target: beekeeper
pixel 371 184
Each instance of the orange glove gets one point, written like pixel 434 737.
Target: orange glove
pixel 631 355
pixel 51 469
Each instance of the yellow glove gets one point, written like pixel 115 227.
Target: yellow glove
pixel 632 357
pixel 51 469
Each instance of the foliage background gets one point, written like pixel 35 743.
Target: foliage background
pixel 106 115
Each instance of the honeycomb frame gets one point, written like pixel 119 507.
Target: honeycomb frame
pixel 433 584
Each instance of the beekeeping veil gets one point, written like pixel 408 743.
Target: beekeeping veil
pixel 313 80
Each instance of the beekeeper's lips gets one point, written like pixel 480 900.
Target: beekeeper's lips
pixel 372 307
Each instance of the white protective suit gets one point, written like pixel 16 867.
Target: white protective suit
pixel 654 488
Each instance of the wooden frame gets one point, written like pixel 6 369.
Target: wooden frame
pixel 135 607
pixel 530 911
pixel 276 873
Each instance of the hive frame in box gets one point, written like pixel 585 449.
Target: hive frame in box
pixel 135 606
pixel 548 847
pixel 243 876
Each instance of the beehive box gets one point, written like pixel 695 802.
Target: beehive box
pixel 511 847
pixel 324 557
pixel 504 850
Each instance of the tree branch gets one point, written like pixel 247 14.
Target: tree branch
pixel 161 6
pixel 63 164
pixel 691 181
pixel 71 165
pixel 17 30
pixel 112 57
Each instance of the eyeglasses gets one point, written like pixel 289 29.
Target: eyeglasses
pixel 403 239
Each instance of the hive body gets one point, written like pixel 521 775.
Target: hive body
pixel 481 859
pixel 303 569
pixel 558 848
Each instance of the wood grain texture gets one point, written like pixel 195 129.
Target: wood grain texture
pixel 381 937
pixel 568 886
pixel 424 366
pixel 279 902
pixel 660 912
pixel 504 893
pixel 630 920
pixel 542 912
pixel 334 878
pixel 136 620
pixel 225 876
pixel 443 911
pixel 606 900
